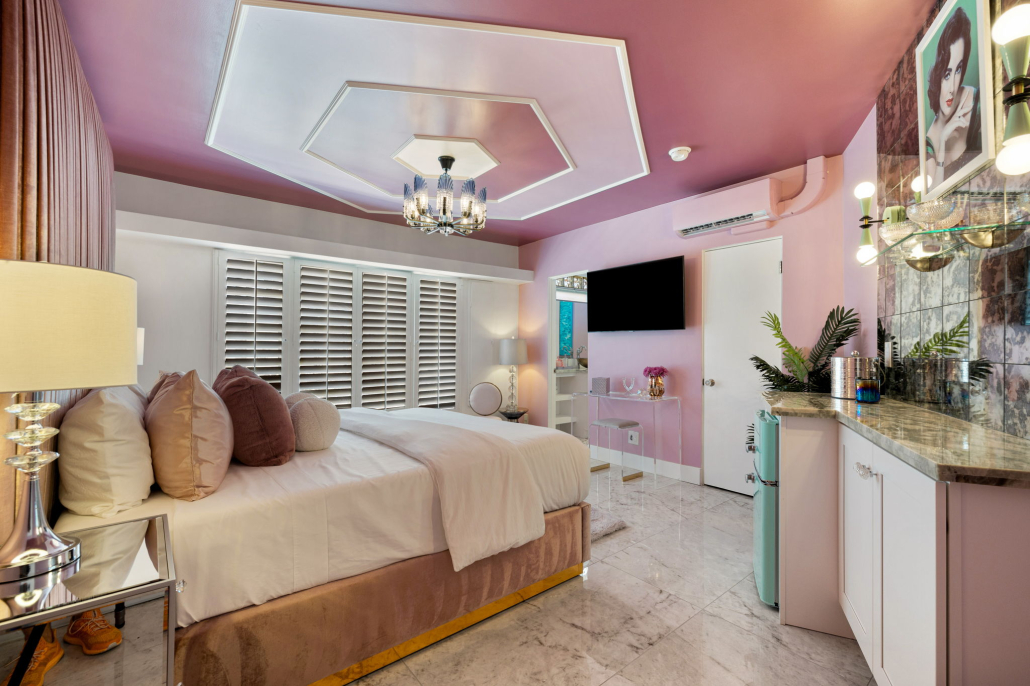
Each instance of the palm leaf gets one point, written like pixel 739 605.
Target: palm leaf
pixel 980 369
pixel 946 343
pixel 774 379
pixel 840 326
pixel 793 357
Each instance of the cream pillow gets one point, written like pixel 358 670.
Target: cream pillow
pixel 105 453
pixel 316 423
pixel 294 398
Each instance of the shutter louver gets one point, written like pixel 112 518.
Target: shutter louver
pixel 254 317
pixel 326 330
pixel 384 341
pixel 437 343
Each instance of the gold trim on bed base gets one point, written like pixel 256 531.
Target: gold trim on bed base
pixel 388 657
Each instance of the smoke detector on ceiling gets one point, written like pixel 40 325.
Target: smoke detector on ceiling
pixel 679 154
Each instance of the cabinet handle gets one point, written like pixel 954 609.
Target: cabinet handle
pixel 863 471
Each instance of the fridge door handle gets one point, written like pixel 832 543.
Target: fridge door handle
pixel 757 476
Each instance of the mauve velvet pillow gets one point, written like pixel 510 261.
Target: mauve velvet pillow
pixel 231 374
pixel 262 429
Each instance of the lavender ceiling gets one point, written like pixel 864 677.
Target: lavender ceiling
pixel 752 86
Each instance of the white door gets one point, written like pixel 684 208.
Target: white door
pixel 740 283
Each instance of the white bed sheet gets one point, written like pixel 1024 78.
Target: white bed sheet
pixel 328 515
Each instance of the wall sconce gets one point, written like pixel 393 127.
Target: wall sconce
pixel 866 250
pixel 919 184
pixel 1012 33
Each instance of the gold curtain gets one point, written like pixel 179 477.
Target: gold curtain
pixel 56 173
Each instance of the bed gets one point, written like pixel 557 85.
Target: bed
pixel 352 556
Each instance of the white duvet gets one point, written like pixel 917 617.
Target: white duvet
pixel 330 514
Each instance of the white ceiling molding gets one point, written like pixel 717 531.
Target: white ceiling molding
pixel 351 88
pixel 285 102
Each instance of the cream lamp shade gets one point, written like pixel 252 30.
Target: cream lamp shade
pixel 69 328
pixel 513 351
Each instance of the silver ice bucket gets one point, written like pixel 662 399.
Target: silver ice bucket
pixel 846 371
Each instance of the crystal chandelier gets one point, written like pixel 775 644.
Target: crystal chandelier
pixel 420 214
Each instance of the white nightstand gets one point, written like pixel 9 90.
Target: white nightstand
pixel 126 571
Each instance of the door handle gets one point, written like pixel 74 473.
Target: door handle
pixel 708 382
pixel 863 471
pixel 750 478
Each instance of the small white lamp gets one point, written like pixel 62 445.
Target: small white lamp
pixel 513 352
pixel 79 331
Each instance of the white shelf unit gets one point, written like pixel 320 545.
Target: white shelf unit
pixel 563 382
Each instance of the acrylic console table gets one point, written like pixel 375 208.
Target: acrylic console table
pixel 634 406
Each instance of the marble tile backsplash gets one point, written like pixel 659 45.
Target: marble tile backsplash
pixel 992 291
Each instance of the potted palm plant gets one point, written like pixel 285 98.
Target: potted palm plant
pixel 806 373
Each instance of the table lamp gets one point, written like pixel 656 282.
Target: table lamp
pixel 72 328
pixel 513 352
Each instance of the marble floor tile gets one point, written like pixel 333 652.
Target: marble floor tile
pixel 644 515
pixel 698 559
pixel 397 674
pixel 581 632
pixel 710 650
pixel 741 606
pixel 668 600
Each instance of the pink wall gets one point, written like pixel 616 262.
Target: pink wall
pixel 813 283
pixel 859 282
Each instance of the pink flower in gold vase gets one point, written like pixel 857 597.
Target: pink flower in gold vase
pixel 655 381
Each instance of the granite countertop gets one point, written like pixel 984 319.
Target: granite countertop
pixel 942 447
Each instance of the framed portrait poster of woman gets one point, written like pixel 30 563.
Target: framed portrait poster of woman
pixel 956 118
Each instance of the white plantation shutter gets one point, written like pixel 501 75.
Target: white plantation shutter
pixel 384 341
pixel 253 332
pixel 325 338
pixel 437 343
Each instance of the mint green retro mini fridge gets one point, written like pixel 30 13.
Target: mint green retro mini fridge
pixel 766 448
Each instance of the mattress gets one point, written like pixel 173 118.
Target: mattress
pixel 328 515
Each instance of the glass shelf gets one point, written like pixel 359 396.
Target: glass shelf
pixel 932 249
pixel 969 225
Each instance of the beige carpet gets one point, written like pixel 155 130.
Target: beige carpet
pixel 603 523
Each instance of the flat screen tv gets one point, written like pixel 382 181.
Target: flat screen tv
pixel 637 297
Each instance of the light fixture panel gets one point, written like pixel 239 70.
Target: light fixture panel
pixel 421 155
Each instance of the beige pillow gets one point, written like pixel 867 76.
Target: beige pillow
pixel 316 423
pixel 190 438
pixel 294 398
pixel 105 453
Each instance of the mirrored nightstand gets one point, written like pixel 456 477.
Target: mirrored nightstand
pixel 126 572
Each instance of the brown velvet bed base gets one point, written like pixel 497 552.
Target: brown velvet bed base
pixel 331 631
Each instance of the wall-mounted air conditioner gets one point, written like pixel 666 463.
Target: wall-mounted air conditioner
pixel 728 223
pixel 749 206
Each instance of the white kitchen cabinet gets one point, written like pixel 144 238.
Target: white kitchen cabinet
pixel 893 564
pixel 856 536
